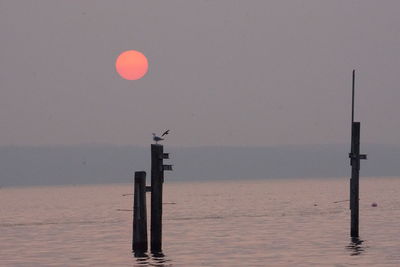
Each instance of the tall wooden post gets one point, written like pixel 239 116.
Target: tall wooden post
pixel 354 181
pixel 157 179
pixel 139 239
pixel 355 158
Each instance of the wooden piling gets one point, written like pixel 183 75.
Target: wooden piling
pixel 157 179
pixel 354 181
pixel 139 239
pixel 355 158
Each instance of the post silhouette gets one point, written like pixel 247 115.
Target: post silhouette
pixel 139 239
pixel 355 158
pixel 157 180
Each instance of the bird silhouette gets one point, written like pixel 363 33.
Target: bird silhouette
pixel 157 138
pixel 165 133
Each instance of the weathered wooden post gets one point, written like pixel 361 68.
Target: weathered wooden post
pixel 355 158
pixel 157 180
pixel 139 239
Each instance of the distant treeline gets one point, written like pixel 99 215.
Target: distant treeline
pixel 115 164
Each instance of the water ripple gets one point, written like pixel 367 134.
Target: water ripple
pixel 56 223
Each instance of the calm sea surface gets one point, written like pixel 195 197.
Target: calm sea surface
pixel 225 223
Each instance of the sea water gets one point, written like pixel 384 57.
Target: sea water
pixel 299 222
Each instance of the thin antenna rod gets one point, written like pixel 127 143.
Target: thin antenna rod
pixel 352 99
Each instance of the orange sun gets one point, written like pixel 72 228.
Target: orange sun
pixel 131 65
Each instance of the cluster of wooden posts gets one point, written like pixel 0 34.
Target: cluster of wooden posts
pixel 140 240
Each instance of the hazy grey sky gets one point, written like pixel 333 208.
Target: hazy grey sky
pixel 221 72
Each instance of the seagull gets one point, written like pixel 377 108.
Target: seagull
pixel 157 138
pixel 165 133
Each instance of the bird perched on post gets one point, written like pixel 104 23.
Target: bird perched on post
pixel 157 138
